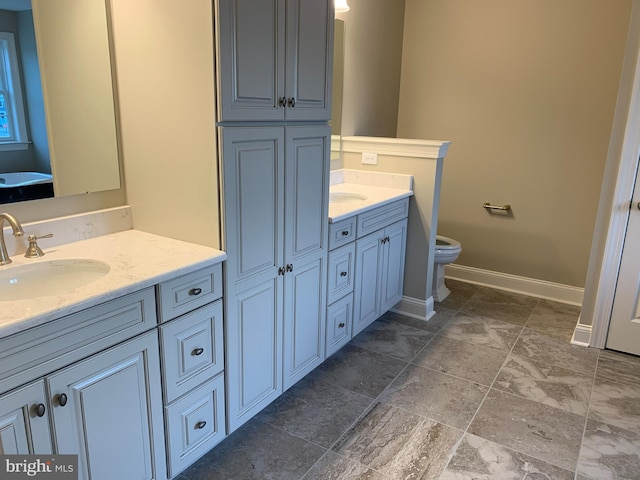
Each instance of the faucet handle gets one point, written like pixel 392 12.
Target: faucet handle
pixel 33 250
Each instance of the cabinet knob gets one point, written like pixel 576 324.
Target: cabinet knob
pixel 343 274
pixel 345 233
pixel 282 102
pixel 289 267
pixel 40 409
pixel 61 399
pixel 195 291
pixel 292 102
pixel 281 271
pixel 197 351
pixel 341 325
pixel 201 424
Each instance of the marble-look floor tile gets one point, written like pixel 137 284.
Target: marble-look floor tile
pixel 393 339
pixel 554 318
pixel 434 324
pixel 548 384
pixel 617 404
pixel 618 367
pixel 257 451
pixel 315 411
pixel 609 452
pixel 479 459
pixel 544 432
pixel 547 350
pixel 434 395
pixel 360 370
pixel 482 331
pixel 461 292
pixel 336 467
pixel 461 359
pixel 500 305
pixel 399 444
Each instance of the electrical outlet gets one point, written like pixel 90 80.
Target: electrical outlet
pixel 369 158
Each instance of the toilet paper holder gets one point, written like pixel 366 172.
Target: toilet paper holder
pixel 488 206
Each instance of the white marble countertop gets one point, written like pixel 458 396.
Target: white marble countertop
pixel 136 259
pixel 378 188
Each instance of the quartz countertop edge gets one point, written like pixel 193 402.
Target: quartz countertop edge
pixel 137 260
pixel 376 197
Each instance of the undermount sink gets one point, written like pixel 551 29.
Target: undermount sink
pixel 52 277
pixel 346 197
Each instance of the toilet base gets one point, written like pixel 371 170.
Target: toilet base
pixel 439 289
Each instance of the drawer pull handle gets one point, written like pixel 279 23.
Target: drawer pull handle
pixel 40 410
pixel 195 291
pixel 62 399
pixel 341 325
pixel 197 351
pixel 201 424
pixel 345 233
pixel 343 274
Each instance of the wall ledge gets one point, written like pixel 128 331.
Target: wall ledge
pixel 399 147
pixel 513 283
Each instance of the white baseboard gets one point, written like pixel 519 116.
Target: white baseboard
pixel 514 283
pixel 581 335
pixel 415 308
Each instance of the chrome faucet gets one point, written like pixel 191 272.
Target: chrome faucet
pixel 17 232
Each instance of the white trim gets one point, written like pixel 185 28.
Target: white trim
pixel 415 308
pixel 335 143
pixel 581 335
pixel 399 147
pixel 514 283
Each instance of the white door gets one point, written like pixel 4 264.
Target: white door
pixel 624 329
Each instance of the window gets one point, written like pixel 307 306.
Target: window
pixel 13 130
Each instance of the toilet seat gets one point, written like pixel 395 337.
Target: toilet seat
pixel 446 243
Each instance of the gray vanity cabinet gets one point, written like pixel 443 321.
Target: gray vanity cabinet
pixel 274 59
pixel 275 234
pixel 24 421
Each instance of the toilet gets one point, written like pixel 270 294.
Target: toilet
pixel 447 250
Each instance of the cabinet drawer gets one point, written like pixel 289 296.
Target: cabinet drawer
pixel 195 424
pixel 35 352
pixel 342 232
pixel 188 292
pixel 192 350
pixel 339 317
pixel 341 272
pixel 381 217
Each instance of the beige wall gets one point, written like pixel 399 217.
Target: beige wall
pixel 164 56
pixel 526 91
pixel 373 53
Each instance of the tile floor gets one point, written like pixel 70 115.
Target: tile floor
pixel 489 388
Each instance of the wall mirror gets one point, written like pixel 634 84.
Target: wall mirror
pixel 62 83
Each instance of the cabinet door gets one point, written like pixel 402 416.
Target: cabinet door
pixel 304 319
pixel 307 191
pixel 24 428
pixel 393 265
pixel 366 307
pixel 250 48
pixel 253 349
pixel 253 162
pixel 339 324
pixel 111 412
pixel 309 59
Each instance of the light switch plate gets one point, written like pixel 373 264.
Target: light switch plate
pixel 369 158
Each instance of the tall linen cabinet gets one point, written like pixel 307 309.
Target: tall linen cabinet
pixel 274 69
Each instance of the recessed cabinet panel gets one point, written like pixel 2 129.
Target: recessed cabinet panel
pixel 367 296
pixel 339 317
pixel 306 209
pixel 304 320
pixel 190 291
pixel 253 198
pixel 341 272
pixel 22 431
pixel 393 277
pixel 250 53
pixel 342 232
pixel 106 395
pixel 192 350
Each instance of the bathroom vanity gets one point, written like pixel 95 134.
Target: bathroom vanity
pixel 127 371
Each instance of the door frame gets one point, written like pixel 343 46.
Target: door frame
pixel 617 189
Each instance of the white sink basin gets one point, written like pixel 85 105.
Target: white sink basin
pixel 53 277
pixel 346 197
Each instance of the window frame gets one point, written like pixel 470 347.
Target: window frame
pixel 11 85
